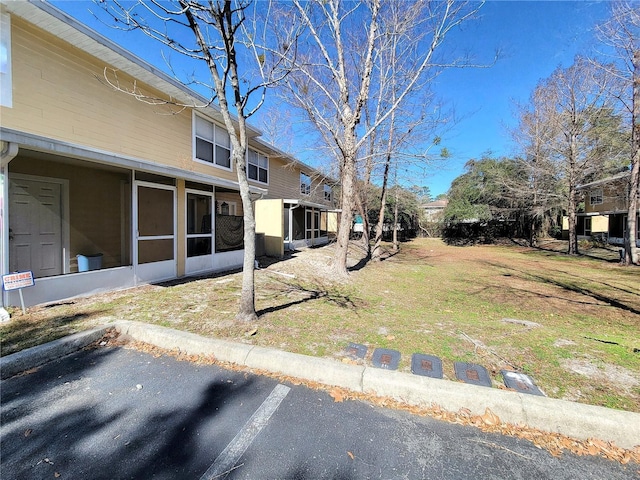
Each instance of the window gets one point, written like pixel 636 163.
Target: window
pixel 226 208
pixel 305 184
pixel 212 143
pixel 327 193
pixel 258 167
pixel 5 61
pixel 595 197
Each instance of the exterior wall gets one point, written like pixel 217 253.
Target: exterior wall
pixel 97 200
pixel 269 220
pixel 60 92
pixel 614 198
pixel 285 183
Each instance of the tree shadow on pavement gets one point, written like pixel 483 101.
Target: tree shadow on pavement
pixel 70 425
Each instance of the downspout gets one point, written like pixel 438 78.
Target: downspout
pixel 8 152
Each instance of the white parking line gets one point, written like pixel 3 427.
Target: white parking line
pixel 236 448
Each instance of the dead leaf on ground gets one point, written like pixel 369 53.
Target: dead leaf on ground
pixel 351 455
pixel 337 394
pixel 490 418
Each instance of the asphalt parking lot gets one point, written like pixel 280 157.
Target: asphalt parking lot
pixel 118 413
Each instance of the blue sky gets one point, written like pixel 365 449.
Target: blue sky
pixel 534 38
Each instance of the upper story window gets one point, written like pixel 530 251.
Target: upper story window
pixel 212 143
pixel 305 184
pixel 327 193
pixel 258 167
pixel 6 91
pixel 595 197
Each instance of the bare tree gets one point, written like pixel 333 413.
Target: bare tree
pixel 622 33
pixel 575 105
pixel 534 136
pixel 332 75
pixel 215 33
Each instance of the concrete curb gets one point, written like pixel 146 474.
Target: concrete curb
pixel 34 357
pixel 575 420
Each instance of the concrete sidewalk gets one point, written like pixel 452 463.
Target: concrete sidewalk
pixel 572 419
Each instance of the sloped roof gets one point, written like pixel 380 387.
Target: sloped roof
pixel 60 24
pixel 604 181
pixel 436 204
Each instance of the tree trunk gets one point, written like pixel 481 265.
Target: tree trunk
pixel 377 246
pixel 396 245
pixel 247 308
pixel 631 249
pixel 348 178
pixel 366 228
pixel 571 214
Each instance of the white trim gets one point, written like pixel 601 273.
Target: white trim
pixel 163 269
pixel 597 193
pixel 307 191
pixel 255 180
pixel 199 263
pixel 214 143
pixel 327 190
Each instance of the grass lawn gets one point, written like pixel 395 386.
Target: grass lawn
pixel 460 303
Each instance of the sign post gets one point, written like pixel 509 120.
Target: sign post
pixel 18 280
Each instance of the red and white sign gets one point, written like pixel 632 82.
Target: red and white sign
pixel 12 281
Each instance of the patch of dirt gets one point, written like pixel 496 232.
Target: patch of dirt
pixel 624 379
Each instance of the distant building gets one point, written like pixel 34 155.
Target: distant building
pixel 434 211
pixel 607 199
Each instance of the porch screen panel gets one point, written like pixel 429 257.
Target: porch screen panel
pixel 309 219
pixel 298 223
pixel 155 212
pixel 316 224
pixel 155 225
pixel 155 250
pixel 199 224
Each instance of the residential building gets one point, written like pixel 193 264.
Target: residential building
pixel 434 211
pixel 102 191
pixel 607 199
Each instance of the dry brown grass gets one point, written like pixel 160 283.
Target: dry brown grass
pixel 429 298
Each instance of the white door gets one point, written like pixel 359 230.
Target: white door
pixel 35 226
pixel 155 246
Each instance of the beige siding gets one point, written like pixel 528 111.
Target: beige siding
pixel 614 198
pixel 269 220
pixel 284 182
pixel 59 92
